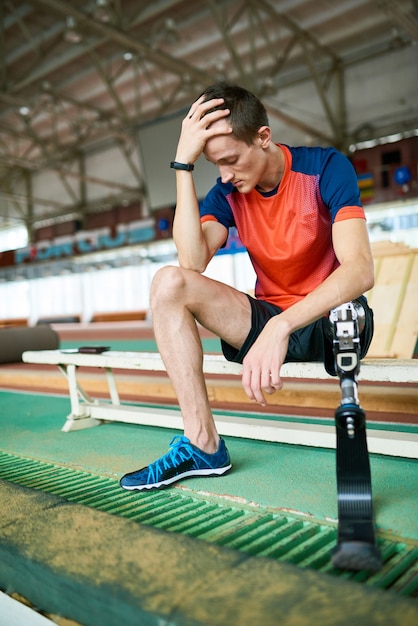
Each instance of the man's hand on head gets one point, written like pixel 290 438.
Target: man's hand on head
pixel 198 126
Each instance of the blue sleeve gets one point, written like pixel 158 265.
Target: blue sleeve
pixel 216 204
pixel 338 182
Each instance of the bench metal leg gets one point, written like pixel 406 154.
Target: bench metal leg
pixel 111 384
pixel 79 418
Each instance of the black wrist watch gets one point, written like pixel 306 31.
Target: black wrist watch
pixel 175 165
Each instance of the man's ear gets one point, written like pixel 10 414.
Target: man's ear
pixel 264 136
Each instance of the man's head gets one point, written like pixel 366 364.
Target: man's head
pixel 239 144
pixel 247 113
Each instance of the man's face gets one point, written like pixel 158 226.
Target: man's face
pixel 238 163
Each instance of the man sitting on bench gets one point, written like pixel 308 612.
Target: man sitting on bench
pixel 298 213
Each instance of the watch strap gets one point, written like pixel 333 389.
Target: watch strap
pixel 175 165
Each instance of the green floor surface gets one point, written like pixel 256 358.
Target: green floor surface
pixel 278 476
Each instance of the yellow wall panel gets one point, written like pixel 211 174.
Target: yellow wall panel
pixel 406 328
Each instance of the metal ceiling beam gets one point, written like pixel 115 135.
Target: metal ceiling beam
pixel 37 165
pixel 23 198
pixel 285 20
pixel 42 146
pixel 321 63
pixel 74 52
pixel 282 20
pixel 305 128
pixel 160 58
pixel 95 180
pixel 323 96
pixel 110 87
pixel 3 74
pixel 214 9
pixel 407 21
pixel 9 98
pixel 314 54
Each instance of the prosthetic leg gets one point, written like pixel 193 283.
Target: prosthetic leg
pixel 356 545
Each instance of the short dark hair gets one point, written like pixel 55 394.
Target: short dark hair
pixel 248 113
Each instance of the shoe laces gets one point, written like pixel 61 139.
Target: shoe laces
pixel 180 450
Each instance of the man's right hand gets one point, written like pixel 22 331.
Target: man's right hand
pixel 197 128
pixel 262 364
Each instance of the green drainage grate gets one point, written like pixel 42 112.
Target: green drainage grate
pixel 254 530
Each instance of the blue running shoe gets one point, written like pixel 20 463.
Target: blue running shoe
pixel 181 461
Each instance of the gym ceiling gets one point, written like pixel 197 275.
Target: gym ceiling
pixel 76 77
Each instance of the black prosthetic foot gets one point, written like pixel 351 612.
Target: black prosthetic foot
pixel 356 556
pixel 356 547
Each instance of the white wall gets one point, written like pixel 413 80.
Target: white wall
pixel 96 287
pixel 104 290
pixel 383 92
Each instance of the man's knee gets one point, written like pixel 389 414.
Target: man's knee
pixel 165 281
pixel 168 285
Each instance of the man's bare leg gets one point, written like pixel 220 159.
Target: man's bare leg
pixel 179 298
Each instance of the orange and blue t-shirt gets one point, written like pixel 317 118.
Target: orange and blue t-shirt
pixel 287 231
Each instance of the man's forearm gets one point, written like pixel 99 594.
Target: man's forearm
pixel 187 229
pixel 346 283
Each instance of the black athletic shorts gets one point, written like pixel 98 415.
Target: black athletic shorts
pixel 311 343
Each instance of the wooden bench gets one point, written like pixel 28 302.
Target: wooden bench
pixel 13 321
pixel 87 411
pixel 60 319
pixel 120 316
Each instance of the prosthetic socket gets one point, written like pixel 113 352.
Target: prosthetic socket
pixel 347 322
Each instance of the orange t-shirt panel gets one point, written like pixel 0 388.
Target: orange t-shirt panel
pixel 288 232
